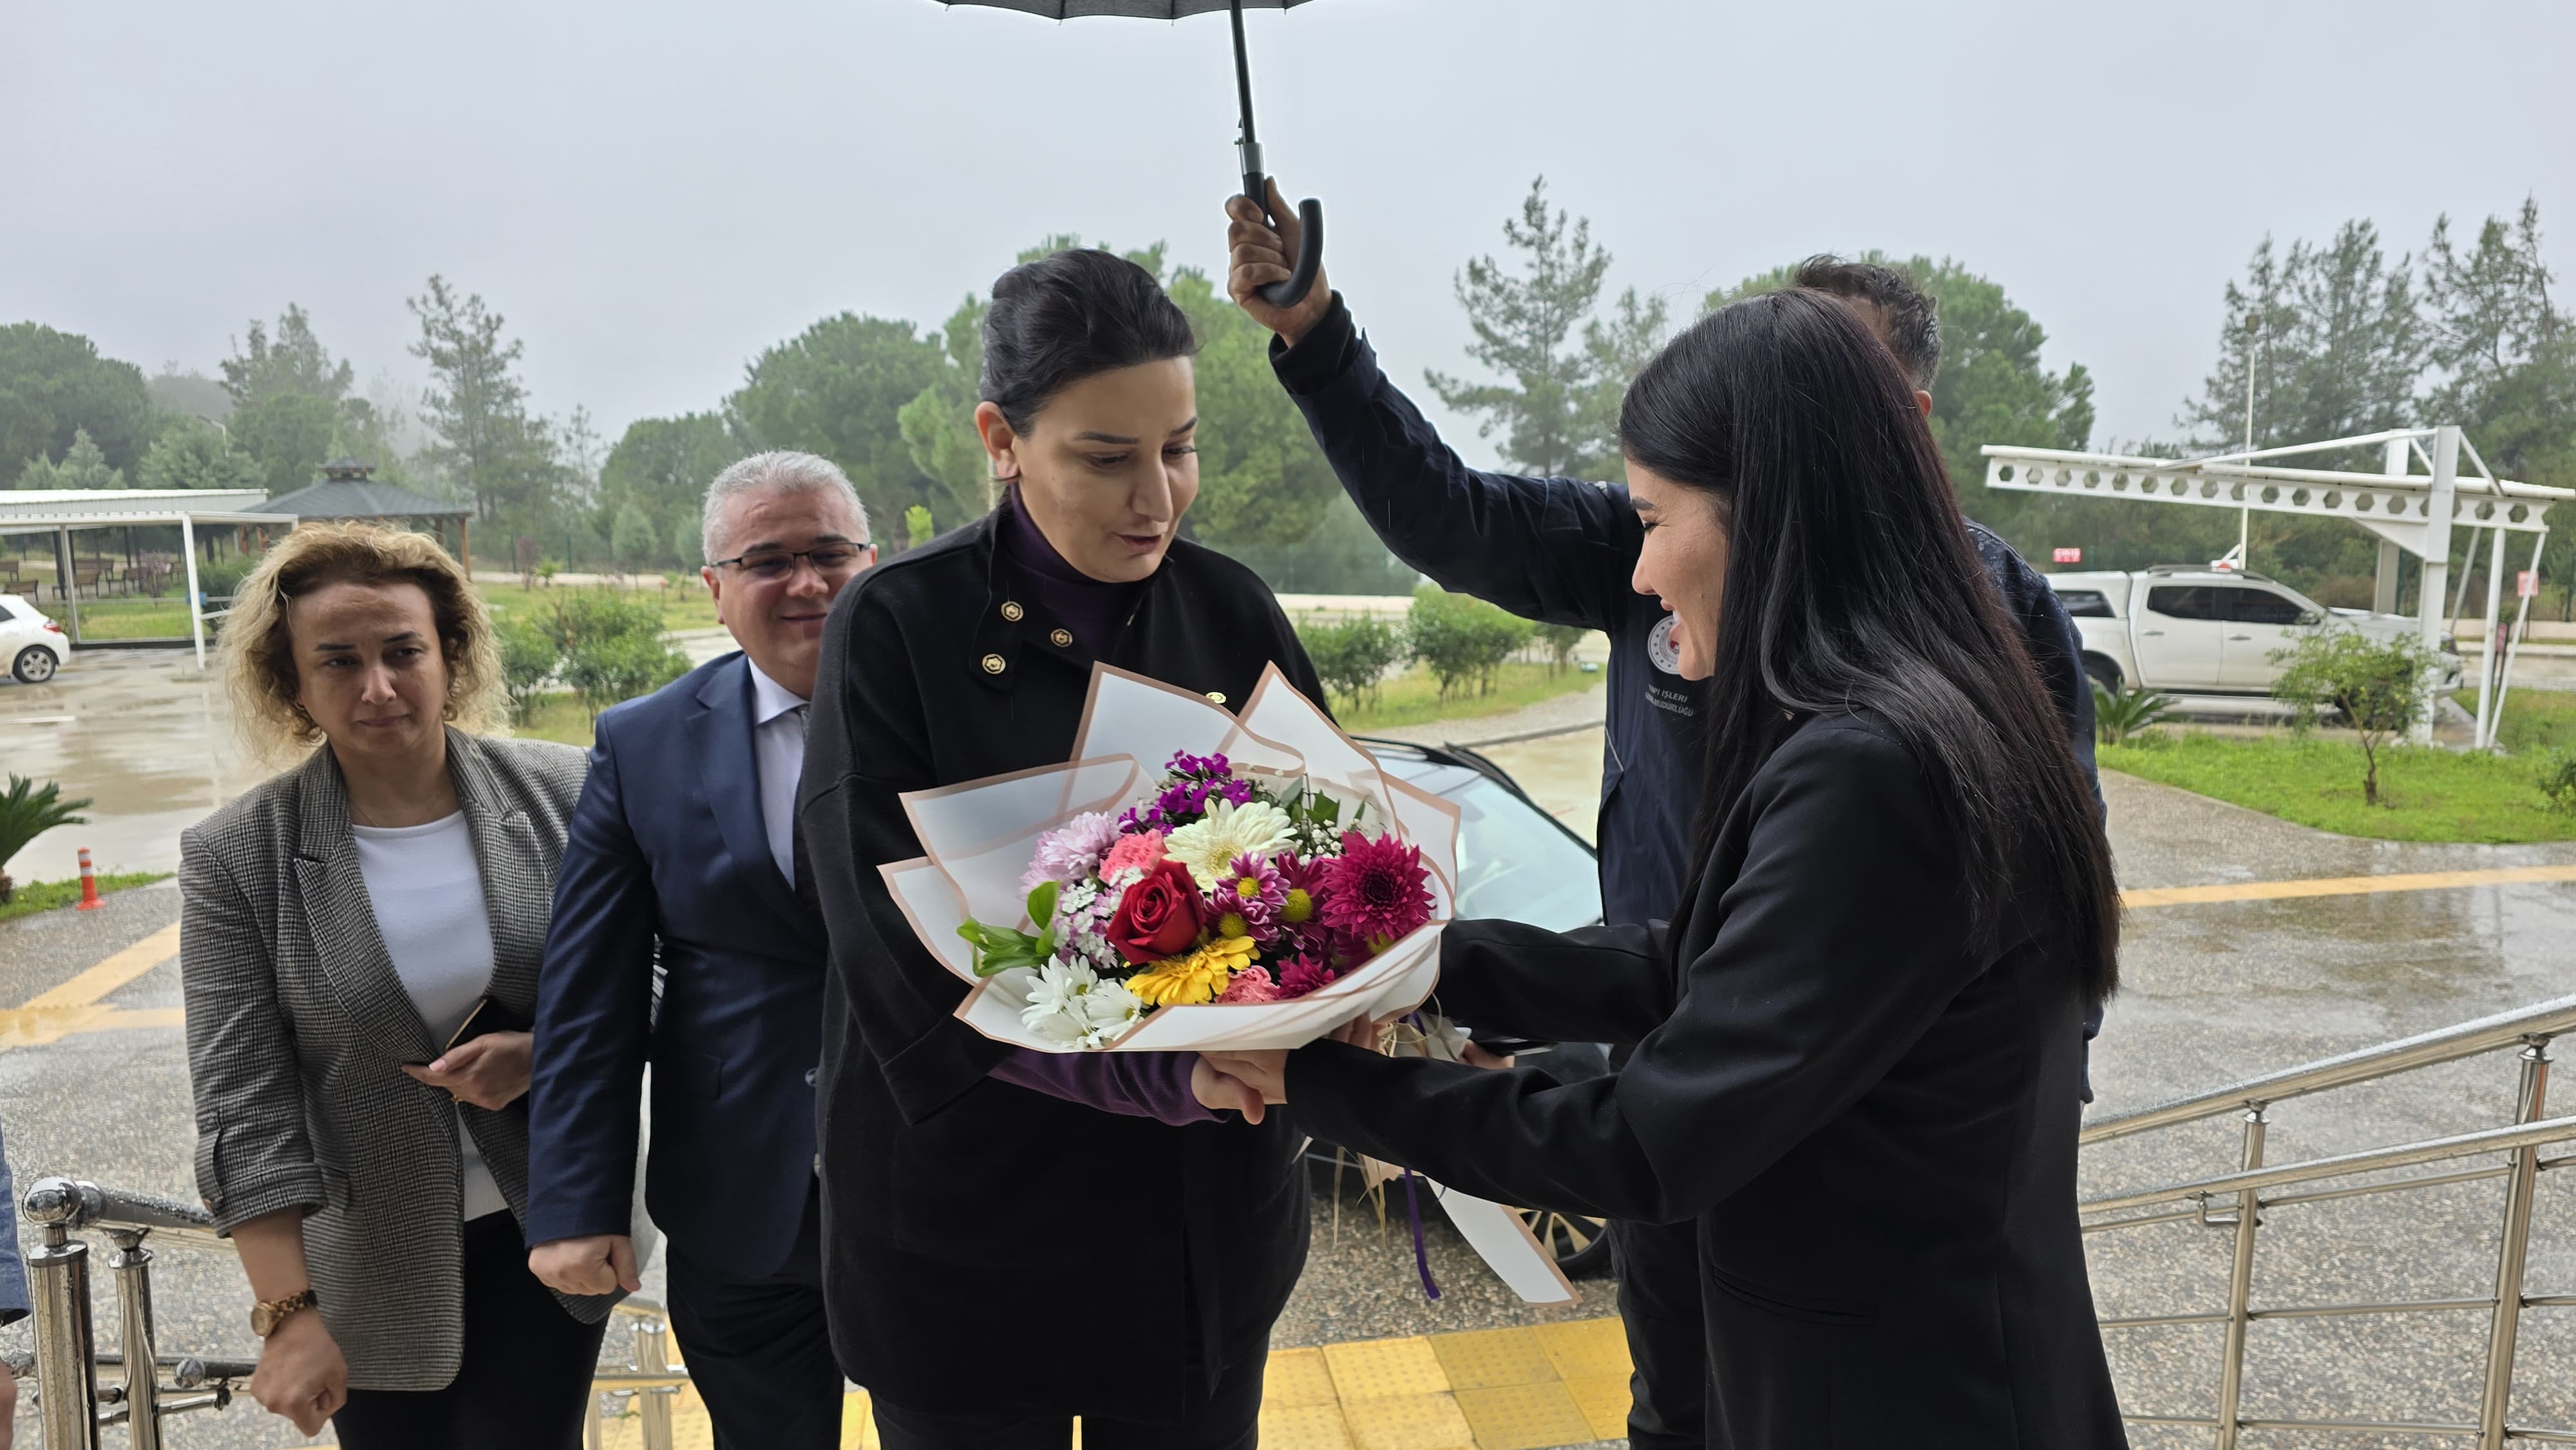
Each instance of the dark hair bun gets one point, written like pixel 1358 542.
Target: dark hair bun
pixel 1068 316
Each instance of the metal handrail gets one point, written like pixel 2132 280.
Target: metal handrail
pixel 72 1406
pixel 2237 1201
pixel 2447 1044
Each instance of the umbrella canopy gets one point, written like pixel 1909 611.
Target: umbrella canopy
pixel 1310 212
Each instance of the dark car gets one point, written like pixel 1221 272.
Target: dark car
pixel 1517 862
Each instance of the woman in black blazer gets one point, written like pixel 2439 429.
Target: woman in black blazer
pixel 1859 1039
pixel 1013 1238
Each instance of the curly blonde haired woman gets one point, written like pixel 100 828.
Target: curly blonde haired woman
pixel 360 937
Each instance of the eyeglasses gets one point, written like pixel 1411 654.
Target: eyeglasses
pixel 773 565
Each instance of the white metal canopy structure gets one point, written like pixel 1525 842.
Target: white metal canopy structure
pixel 59 511
pixel 2407 510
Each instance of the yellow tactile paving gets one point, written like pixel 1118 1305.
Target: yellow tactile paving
pixel 1524 1416
pixel 1488 1389
pixel 2343 885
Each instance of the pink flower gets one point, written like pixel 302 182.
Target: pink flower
pixel 1301 975
pixel 1252 984
pixel 1071 852
pixel 1377 891
pixel 1132 853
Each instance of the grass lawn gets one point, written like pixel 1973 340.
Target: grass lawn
pixel 125 618
pixel 556 717
pixel 2534 720
pixel 2425 794
pixel 690 610
pixel 1413 698
pixel 35 896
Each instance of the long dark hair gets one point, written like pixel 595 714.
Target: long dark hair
pixel 1851 584
pixel 1070 315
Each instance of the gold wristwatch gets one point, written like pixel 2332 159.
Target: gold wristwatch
pixel 268 1314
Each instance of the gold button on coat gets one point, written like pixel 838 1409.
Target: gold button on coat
pixel 1012 611
pixel 1217 696
pixel 1063 638
pixel 992 664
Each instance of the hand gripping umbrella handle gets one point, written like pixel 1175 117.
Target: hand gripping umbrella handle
pixel 1310 251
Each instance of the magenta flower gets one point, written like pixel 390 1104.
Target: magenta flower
pixel 1250 889
pixel 1377 891
pixel 1300 975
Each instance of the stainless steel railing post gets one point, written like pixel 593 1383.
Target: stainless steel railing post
pixel 66 1376
pixel 653 1355
pixel 2513 1252
pixel 2240 1287
pixel 132 1266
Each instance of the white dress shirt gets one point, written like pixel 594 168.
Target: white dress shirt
pixel 778 746
pixel 427 895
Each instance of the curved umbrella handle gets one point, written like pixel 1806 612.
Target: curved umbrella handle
pixel 1310 252
pixel 1310 259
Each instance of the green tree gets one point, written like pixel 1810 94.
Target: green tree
pixel 663 466
pixel 54 384
pixel 611 647
pixel 528 663
pixel 688 538
pixel 1529 328
pixel 633 539
pixel 287 436
pixel 837 389
pixel 192 453
pixel 477 409
pixel 938 425
pixel 83 465
pixel 918 529
pixel 2336 346
pixel 295 362
pixel 1262 480
pixel 1352 657
pixel 2376 685
pixel 1461 640
pixel 1561 641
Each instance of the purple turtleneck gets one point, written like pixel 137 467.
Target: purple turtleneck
pixel 1136 1084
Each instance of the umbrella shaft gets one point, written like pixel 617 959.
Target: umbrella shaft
pixel 1243 86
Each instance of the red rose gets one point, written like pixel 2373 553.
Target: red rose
pixel 1160 917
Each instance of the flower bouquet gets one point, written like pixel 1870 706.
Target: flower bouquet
pixel 1190 880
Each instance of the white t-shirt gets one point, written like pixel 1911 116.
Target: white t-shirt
pixel 427 894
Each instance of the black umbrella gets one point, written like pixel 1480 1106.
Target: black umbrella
pixel 1310 256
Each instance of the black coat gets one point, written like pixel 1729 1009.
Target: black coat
pixel 987 1247
pixel 1873 1122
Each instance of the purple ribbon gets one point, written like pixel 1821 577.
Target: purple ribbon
pixel 1421 1259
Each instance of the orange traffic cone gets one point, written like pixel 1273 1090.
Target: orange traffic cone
pixel 89 884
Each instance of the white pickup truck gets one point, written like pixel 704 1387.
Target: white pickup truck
pixel 2205 631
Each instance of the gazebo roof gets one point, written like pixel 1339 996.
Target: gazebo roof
pixel 342 496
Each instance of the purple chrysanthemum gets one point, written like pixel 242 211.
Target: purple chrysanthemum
pixel 1252 890
pixel 1300 975
pixel 1377 890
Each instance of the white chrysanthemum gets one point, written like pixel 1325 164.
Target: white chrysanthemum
pixel 1208 846
pixel 1069 1003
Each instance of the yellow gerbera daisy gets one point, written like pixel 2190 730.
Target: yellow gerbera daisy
pixel 1194 979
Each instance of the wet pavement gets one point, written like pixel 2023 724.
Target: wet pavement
pixel 2215 991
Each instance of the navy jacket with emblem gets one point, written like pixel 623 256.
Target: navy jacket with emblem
pixel 1562 551
pixel 978 1234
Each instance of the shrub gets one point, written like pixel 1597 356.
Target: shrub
pixel 219 578
pixel 26 812
pixel 1352 657
pixel 1461 640
pixel 2376 685
pixel 2558 781
pixel 917 527
pixel 611 647
pixel 528 663
pixel 2118 716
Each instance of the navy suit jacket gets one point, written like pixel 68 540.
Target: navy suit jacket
pixel 667 849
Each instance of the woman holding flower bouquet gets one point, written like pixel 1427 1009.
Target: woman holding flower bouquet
pixel 1014 1238
pixel 1859 1038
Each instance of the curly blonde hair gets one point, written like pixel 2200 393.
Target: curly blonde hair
pixel 259 648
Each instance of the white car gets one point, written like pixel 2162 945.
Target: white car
pixel 2205 631
pixel 32 644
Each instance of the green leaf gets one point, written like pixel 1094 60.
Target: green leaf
pixel 1042 903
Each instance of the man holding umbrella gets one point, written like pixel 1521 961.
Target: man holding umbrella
pixel 1564 551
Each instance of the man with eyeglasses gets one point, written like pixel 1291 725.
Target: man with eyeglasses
pixel 683 865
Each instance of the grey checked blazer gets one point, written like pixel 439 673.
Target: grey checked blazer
pixel 297 1027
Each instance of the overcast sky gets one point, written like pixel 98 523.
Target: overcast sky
pixel 653 191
